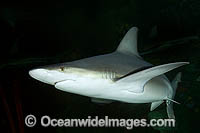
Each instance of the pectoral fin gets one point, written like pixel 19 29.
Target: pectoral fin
pixel 135 82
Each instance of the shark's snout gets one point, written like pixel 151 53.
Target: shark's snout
pixel 37 72
pixel 41 74
pixel 49 76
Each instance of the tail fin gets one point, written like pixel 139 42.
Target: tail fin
pixel 170 111
pixel 175 82
pixel 169 102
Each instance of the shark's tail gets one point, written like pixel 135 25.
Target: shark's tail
pixel 169 102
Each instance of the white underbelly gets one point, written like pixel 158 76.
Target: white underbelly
pixel 108 89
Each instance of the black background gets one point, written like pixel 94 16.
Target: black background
pixel 35 34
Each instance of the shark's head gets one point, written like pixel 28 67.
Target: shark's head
pixel 53 74
pixel 70 78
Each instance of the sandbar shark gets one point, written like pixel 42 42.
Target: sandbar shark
pixel 122 76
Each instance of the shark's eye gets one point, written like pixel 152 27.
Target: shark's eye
pixel 62 68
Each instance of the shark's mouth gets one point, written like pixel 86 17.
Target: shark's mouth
pixel 63 81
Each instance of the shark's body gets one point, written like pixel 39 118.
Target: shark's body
pixel 122 76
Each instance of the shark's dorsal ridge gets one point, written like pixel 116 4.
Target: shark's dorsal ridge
pixel 128 45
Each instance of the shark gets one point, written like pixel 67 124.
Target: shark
pixel 122 75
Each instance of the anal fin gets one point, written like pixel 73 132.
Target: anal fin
pixel 154 105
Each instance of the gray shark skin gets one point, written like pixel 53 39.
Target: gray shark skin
pixel 119 76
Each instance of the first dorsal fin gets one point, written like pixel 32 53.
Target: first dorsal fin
pixel 128 45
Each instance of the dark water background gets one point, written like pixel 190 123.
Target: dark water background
pixel 57 32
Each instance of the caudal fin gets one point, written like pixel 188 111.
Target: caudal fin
pixel 169 102
pixel 175 81
pixel 170 111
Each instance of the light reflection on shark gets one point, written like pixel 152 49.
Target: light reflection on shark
pixel 119 76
